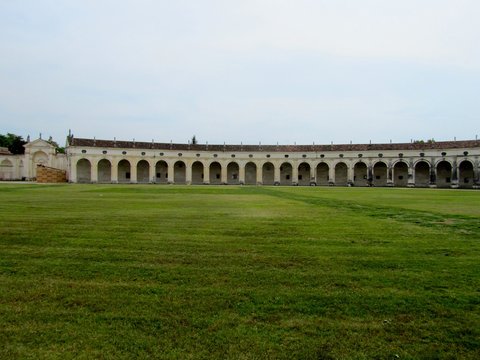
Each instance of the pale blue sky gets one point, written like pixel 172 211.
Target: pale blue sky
pixel 246 71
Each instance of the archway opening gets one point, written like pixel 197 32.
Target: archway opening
pixel 215 173
pixel 233 174
pixel 124 174
pixel 268 174
pixel 341 174
pixel 179 173
pixel 400 174
pixel 286 174
pixel 444 174
pixel 161 172
pixel 251 174
pixel 84 171
pixel 143 172
pixel 360 174
pixel 197 173
pixel 466 175
pixel 304 174
pixel 322 174
pixel 104 171
pixel 422 174
pixel 380 174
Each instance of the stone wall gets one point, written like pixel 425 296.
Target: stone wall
pixel 50 175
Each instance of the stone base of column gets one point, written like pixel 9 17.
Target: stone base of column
pixel 454 186
pixel 432 186
pixel 390 183
pixel 313 183
pixel 259 183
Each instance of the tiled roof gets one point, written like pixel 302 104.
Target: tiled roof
pixel 273 148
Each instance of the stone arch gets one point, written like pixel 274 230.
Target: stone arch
pixel 104 171
pixel 124 171
pixel 161 172
pixel 444 174
pixel 422 173
pixel 286 172
pixel 84 171
pixel 233 173
pixel 380 174
pixel 400 174
pixel 39 158
pixel 143 172
pixel 360 174
pixel 322 174
pixel 268 174
pixel 215 173
pixel 197 173
pixel 304 174
pixel 251 173
pixel 6 170
pixel 466 174
pixel 341 174
pixel 179 172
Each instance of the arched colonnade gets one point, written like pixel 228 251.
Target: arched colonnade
pixel 401 173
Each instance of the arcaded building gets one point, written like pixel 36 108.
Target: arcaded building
pixel 416 164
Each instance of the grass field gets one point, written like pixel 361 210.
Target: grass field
pixel 105 271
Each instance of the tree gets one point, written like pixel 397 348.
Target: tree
pixel 58 148
pixel 13 142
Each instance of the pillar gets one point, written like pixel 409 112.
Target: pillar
pixel 411 174
pixel 206 174
pixel 188 173
pixel 73 169
pixel 223 174
pixel 241 173
pixel 455 172
pixel 259 173
pixel 331 175
pixel 350 175
pixel 114 175
pixel 294 174
pixel 313 175
pixel 276 174
pixel 133 172
pixel 94 171
pixel 171 172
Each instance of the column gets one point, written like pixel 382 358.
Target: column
pixel 411 174
pixel 241 173
pixel 350 175
pixel 133 172
pixel 455 172
pixel 276 174
pixel 294 174
pixel 94 171
pixel 114 175
pixel 152 176
pixel 73 169
pixel 313 174
pixel 331 175
pixel 259 173
pixel 370 174
pixel 223 174
pixel 188 173
pixel 389 174
pixel 206 174
pixel 171 172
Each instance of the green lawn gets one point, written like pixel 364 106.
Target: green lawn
pixel 105 271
